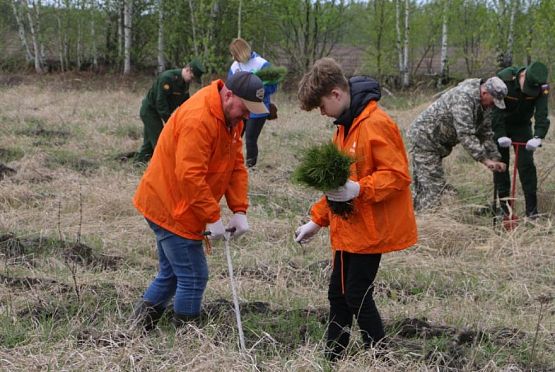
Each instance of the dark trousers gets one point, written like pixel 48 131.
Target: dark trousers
pixel 350 294
pixel 252 130
pixel 153 126
pixel 528 179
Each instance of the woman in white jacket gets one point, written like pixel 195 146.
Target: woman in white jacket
pixel 247 60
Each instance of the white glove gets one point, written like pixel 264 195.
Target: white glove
pixel 306 232
pixel 239 223
pixel 504 142
pixel 216 229
pixel 348 191
pixel 533 144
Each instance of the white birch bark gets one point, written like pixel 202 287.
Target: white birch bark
pixel 127 28
pixel 21 32
pixel 60 37
pixel 510 37
pixel 406 72
pixel 443 72
pixel 34 36
pixel 398 32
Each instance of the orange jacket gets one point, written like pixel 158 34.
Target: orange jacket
pixel 197 160
pixel 383 218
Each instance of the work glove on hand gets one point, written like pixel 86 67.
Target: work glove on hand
pixel 216 229
pixel 533 144
pixel 238 225
pixel 348 191
pixel 504 142
pixel 306 232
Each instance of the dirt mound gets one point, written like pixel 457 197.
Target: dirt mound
pixel 6 171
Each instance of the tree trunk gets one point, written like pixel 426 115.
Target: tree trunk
pixel 444 71
pixel 406 72
pixel 398 33
pixel 60 37
pixel 121 21
pixel 379 35
pixel 508 60
pixel 79 47
pixel 239 18
pixel 127 28
pixel 193 27
pixel 21 32
pixel 161 59
pixel 94 49
pixel 34 36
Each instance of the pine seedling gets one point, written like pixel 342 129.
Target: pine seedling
pixel 324 167
pixel 272 74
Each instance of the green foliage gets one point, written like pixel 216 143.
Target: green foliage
pixel 323 167
pixel 272 74
pixel 10 154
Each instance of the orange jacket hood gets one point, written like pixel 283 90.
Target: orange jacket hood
pixel 196 162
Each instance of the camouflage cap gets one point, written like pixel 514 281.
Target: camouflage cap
pixel 498 90
pixel 536 75
pixel 197 68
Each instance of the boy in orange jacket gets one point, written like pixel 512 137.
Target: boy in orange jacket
pixel 383 218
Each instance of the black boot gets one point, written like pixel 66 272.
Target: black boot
pixel 146 315
pixel 180 320
pixel 531 205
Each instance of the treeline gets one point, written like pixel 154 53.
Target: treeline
pixel 399 39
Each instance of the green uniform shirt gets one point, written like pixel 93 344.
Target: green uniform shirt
pixel 516 118
pixel 168 91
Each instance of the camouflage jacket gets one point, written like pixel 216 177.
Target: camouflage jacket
pixel 457 116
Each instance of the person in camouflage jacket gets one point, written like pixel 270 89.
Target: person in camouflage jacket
pixel 462 114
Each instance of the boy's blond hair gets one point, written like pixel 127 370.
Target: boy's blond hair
pixel 240 50
pixel 325 75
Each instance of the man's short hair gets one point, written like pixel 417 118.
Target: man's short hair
pixel 325 75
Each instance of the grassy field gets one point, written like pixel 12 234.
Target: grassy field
pixel 75 254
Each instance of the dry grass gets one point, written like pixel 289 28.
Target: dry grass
pixel 467 297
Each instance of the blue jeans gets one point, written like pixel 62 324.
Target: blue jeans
pixel 183 272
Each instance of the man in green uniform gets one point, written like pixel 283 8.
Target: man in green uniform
pixel 527 96
pixel 168 91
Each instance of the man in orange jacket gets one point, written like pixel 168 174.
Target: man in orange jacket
pixel 383 217
pixel 198 160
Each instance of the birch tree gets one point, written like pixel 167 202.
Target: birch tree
pixel 161 59
pixel 444 66
pixel 403 41
pixel 127 26
pixel 21 30
pixel 510 37
pixel 32 12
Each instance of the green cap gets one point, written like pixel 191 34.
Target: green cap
pixel 536 75
pixel 197 68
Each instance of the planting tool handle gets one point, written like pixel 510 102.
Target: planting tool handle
pixel 208 233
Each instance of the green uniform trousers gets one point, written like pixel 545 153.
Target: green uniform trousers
pixel 153 126
pixel 525 164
